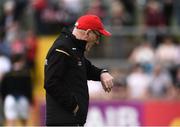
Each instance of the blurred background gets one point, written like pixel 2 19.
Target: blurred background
pixel 143 55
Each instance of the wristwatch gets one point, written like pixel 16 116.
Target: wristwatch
pixel 104 71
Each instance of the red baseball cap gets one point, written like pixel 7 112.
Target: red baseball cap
pixel 92 22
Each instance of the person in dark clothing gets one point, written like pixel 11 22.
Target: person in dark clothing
pixel 16 90
pixel 67 71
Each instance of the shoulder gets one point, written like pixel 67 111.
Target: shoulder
pixel 62 45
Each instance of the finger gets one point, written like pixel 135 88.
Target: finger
pixel 112 84
pixel 109 90
pixel 105 89
pixel 106 85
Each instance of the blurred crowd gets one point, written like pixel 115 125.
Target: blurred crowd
pixel 154 71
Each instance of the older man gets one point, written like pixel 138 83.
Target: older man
pixel 67 71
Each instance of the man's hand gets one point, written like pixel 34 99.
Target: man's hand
pixel 76 110
pixel 107 81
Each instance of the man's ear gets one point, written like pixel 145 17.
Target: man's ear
pixel 88 32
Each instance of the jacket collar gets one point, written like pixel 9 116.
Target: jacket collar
pixel 81 44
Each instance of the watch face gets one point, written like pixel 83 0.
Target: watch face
pixel 104 70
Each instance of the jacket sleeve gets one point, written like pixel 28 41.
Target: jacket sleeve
pixel 55 86
pixel 93 73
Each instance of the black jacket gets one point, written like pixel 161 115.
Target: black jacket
pixel 66 75
pixel 17 83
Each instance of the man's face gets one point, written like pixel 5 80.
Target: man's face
pixel 93 38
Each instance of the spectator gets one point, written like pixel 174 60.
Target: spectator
pixel 38 7
pixel 168 11
pixel 5 66
pixel 9 21
pixel 154 21
pixel 153 14
pixel 31 48
pixel 74 6
pixel 56 15
pixel 119 16
pixel 167 53
pixel 130 6
pixel 161 83
pixel 4 48
pixel 96 7
pixel 137 83
pixel 144 55
pixel 16 90
pixel 20 9
pixel 177 11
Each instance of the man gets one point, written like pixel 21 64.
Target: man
pixel 16 90
pixel 67 71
